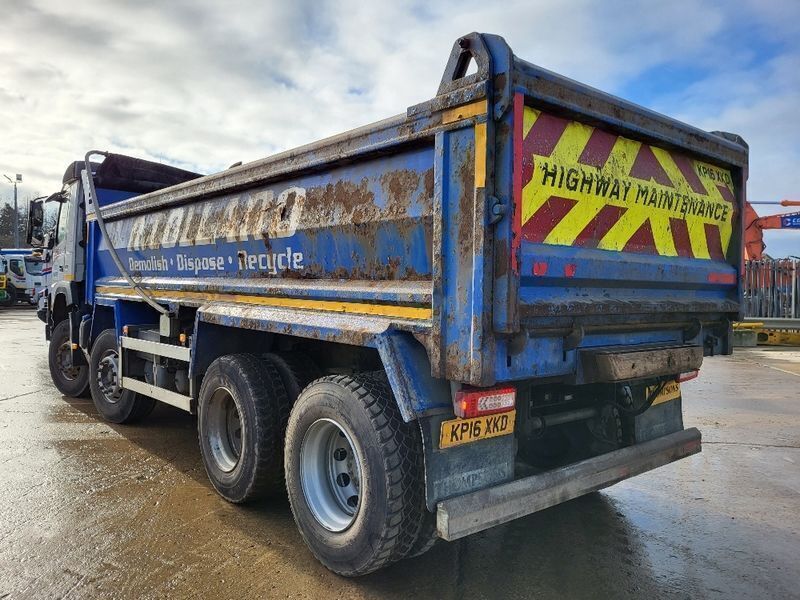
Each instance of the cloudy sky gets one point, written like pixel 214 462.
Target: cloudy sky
pixel 204 84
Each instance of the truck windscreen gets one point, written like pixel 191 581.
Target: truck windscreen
pixel 34 266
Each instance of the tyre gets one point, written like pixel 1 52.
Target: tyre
pixel 427 537
pixel 11 296
pixel 296 371
pixel 238 427
pixel 352 474
pixel 112 402
pixel 69 380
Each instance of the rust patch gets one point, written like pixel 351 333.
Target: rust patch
pixel 501 253
pixel 399 188
pixel 340 201
pixel 466 204
pixel 428 190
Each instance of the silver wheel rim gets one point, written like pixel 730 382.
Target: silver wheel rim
pixel 225 432
pixel 330 475
pixel 108 376
pixel 63 358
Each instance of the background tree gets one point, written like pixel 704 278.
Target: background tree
pixel 7 225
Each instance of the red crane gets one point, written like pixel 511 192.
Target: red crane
pixel 754 226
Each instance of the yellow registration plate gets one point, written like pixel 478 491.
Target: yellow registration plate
pixel 671 391
pixel 464 431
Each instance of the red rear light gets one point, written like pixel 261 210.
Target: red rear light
pixel 687 376
pixel 476 402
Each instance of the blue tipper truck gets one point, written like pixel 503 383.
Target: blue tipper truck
pixel 421 328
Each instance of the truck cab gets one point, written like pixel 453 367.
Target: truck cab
pixel 4 296
pixel 57 224
pixel 26 274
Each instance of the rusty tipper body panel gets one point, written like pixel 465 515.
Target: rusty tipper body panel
pixel 520 245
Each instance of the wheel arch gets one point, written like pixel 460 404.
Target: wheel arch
pixel 408 369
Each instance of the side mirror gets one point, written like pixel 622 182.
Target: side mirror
pixel 35 234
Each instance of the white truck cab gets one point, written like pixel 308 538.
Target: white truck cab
pixel 26 275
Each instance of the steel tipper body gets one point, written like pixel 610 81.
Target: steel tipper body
pixel 433 324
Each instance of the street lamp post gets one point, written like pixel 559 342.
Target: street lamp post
pixel 17 179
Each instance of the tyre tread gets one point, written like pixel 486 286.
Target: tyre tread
pixel 401 457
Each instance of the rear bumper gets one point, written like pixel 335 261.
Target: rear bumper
pixel 470 513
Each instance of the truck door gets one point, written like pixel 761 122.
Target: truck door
pixel 67 253
pixel 16 270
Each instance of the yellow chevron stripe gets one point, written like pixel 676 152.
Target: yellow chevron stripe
pixel 382 310
pixel 538 191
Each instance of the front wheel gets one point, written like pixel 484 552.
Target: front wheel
pixel 69 379
pixel 353 474
pixel 114 404
pixel 10 297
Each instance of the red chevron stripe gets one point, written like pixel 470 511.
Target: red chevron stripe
pixel 687 170
pixel 680 235
pixel 714 242
pixel 647 167
pixel 604 220
pixel 598 148
pixel 546 218
pixel 642 241
pixel 541 140
pixel 726 194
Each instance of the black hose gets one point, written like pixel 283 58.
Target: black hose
pixel 92 196
pixel 635 412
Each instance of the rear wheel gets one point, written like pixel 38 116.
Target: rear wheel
pixel 69 379
pixel 114 404
pixel 238 427
pixel 352 474
pixel 296 371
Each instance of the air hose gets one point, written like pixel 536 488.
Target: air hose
pixel 91 195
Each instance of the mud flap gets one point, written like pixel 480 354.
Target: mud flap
pixel 463 469
pixel 659 420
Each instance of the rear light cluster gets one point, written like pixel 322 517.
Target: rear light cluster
pixel 687 376
pixel 487 401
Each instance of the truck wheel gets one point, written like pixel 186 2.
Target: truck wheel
pixel 427 537
pixel 238 426
pixel 296 371
pixel 112 402
pixel 11 297
pixel 69 380
pixel 352 474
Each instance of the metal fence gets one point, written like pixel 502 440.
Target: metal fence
pixel 771 289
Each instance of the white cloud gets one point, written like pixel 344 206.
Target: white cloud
pixel 204 84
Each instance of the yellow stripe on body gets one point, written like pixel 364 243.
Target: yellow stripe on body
pixel 480 155
pixel 465 111
pixel 382 310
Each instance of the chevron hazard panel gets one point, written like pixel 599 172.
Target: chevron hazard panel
pixel 581 186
